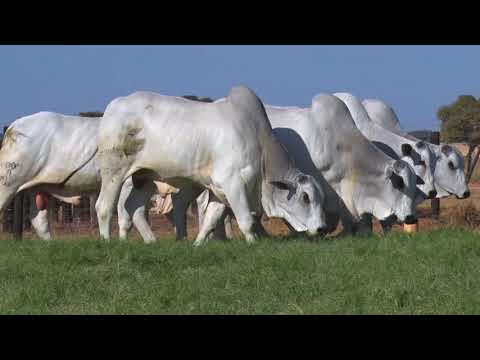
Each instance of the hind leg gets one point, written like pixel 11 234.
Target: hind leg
pixel 7 193
pixel 124 218
pixel 388 223
pixel 237 197
pixel 212 217
pixel 223 229
pixel 365 225
pixel 228 226
pixel 180 202
pixel 132 207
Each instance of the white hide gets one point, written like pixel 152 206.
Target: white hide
pixel 448 165
pixel 55 154
pixel 227 147
pixel 393 145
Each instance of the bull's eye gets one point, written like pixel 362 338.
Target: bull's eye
pixel 451 166
pixel 422 163
pixel 306 199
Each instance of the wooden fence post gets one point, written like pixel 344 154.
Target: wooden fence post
pixel 435 203
pixel 52 213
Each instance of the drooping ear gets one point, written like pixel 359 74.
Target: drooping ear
pixel 303 179
pixel 285 185
pixel 446 149
pixel 420 145
pixel 406 150
pixel 280 185
pixel 397 181
pixel 391 174
pixel 420 181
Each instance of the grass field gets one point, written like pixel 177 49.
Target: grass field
pixel 434 272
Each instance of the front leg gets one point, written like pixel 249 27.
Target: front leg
pixel 236 194
pixel 365 225
pixel 388 223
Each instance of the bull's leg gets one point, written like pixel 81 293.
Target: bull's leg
pixel 39 218
pixel 180 202
pixel 180 206
pixel 171 220
pixel 124 218
pixel 132 207
pixel 236 195
pixel 212 217
pixel 202 205
pixel 107 199
pixel 336 211
pixel 220 231
pixel 7 193
pixel 228 226
pixel 388 223
pixel 365 225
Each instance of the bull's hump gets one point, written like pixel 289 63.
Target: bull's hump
pixel 331 105
pixel 245 97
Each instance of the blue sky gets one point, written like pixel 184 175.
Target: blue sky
pixel 415 80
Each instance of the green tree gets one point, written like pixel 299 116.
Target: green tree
pixel 198 98
pixel 91 114
pixel 461 123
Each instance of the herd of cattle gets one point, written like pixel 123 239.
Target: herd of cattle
pixel 340 160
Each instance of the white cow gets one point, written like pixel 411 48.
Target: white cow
pixel 227 147
pixel 48 153
pixel 361 179
pixel 394 145
pixel 448 167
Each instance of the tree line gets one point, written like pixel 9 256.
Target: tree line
pixel 460 122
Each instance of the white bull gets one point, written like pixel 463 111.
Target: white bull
pixel 48 153
pixel 361 179
pixel 394 145
pixel 227 147
pixel 448 167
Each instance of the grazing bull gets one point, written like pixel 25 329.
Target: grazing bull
pixel 394 145
pixel 54 154
pixel 227 147
pixel 448 167
pixel 360 179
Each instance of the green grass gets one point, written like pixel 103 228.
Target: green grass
pixel 429 273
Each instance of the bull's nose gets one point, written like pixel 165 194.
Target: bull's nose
pixel 466 194
pixel 432 194
pixel 410 219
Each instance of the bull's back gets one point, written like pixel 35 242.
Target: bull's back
pixel 54 146
pixel 175 136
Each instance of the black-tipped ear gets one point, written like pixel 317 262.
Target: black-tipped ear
pixel 406 149
pixel 397 181
pixel 420 181
pixel 280 185
pixel 285 185
pixel 303 179
pixel 446 149
pixel 420 144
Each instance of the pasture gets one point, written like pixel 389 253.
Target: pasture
pixel 431 272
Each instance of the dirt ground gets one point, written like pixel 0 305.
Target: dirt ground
pixel 453 212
